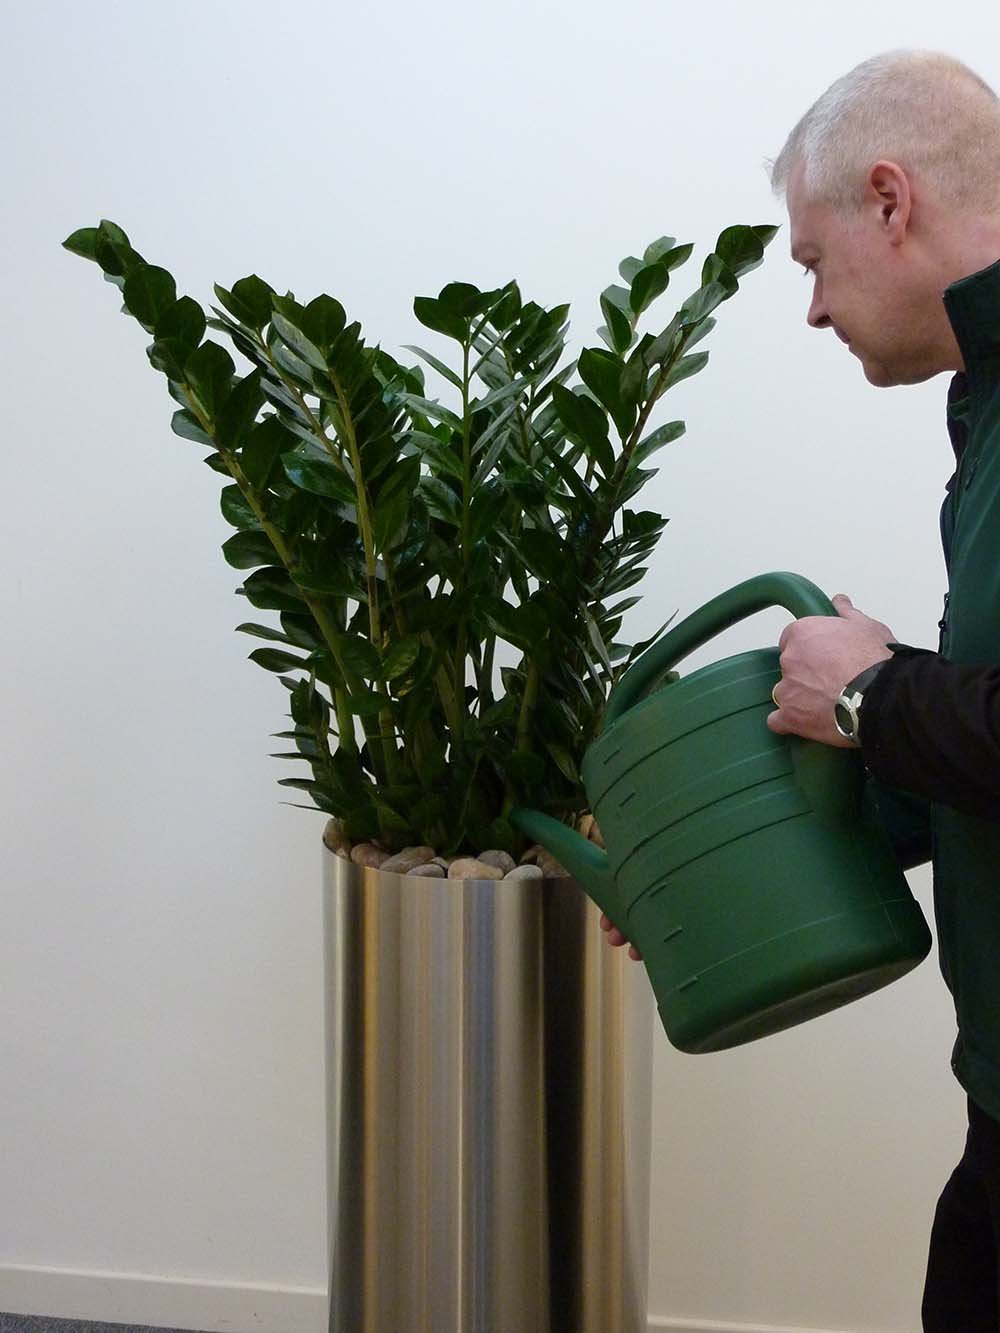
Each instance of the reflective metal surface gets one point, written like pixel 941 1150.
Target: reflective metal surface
pixel 489 1063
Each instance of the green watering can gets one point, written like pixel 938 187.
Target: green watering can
pixel 744 865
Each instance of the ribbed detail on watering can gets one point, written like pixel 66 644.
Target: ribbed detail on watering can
pixel 724 689
pixel 692 770
pixel 758 895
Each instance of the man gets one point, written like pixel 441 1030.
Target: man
pixel 892 183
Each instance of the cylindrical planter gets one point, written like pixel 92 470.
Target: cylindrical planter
pixel 489 1062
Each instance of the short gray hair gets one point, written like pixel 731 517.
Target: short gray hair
pixel 925 110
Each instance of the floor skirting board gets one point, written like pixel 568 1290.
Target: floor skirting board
pixel 659 1324
pixel 222 1307
pixel 174 1303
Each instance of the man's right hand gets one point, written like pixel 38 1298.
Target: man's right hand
pixel 616 938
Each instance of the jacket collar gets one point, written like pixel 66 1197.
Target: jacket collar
pixel 973 307
pixel 958 412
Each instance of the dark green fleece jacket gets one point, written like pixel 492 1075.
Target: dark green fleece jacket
pixel 930 721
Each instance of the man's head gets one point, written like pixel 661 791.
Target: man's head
pixel 892 182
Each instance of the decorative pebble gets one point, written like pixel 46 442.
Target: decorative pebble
pixel 468 867
pixel 367 854
pixel 442 861
pixel 429 870
pixel 525 872
pixel 334 836
pixel 502 860
pixel 551 868
pixel 531 854
pixel 403 862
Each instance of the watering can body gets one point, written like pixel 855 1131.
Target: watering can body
pixel 744 865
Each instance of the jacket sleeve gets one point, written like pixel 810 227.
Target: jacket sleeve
pixel 930 728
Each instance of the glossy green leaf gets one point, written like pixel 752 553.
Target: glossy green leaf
pixel 301 630
pixel 687 366
pixel 333 580
pixel 440 457
pixel 263 632
pixel 441 500
pixel 391 513
pixel 209 372
pixel 262 449
pixel 586 424
pixel 148 293
pixel 366 702
pixel 488 504
pixel 400 657
pixel 434 316
pixel 307 705
pixel 320 476
pixel 271 590
pixel 439 366
pixel 323 321
pixel 184 321
pixel 184 424
pixel 543 553
pixel 564 762
pixel 358 655
pixel 431 409
pixel 658 248
pixel 296 339
pixel 247 550
pixel 601 372
pixel 656 439
pixel 742 248
pixel 239 413
pixel 249 301
pixel 82 242
pixel 464 299
pixel 615 307
pixel 273 659
pixel 235 509
pixel 649 283
pixel 114 252
pixel 677 255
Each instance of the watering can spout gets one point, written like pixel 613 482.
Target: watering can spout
pixel 583 859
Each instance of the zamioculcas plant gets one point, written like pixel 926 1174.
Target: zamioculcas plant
pixel 397 539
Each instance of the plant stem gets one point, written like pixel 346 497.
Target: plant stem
pixel 522 740
pixel 386 721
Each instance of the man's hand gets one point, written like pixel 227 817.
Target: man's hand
pixel 616 938
pixel 819 655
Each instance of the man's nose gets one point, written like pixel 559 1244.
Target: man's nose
pixel 817 317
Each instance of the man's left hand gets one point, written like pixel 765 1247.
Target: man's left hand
pixel 818 656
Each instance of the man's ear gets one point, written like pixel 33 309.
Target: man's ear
pixel 888 189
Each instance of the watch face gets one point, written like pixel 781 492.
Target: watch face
pixel 844 721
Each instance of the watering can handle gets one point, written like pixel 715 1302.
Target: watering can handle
pixel 791 591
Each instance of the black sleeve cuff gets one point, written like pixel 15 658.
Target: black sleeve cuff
pixel 932 727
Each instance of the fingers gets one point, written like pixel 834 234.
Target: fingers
pixel 616 938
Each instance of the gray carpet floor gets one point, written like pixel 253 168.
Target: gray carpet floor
pixel 23 1323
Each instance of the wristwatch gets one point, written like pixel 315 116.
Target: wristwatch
pixel 848 705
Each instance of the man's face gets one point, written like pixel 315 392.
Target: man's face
pixel 865 285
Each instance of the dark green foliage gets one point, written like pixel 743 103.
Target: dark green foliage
pixel 397 538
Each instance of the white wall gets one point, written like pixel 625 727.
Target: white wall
pixel 161 1110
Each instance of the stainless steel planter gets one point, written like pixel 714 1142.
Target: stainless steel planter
pixel 489 1063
